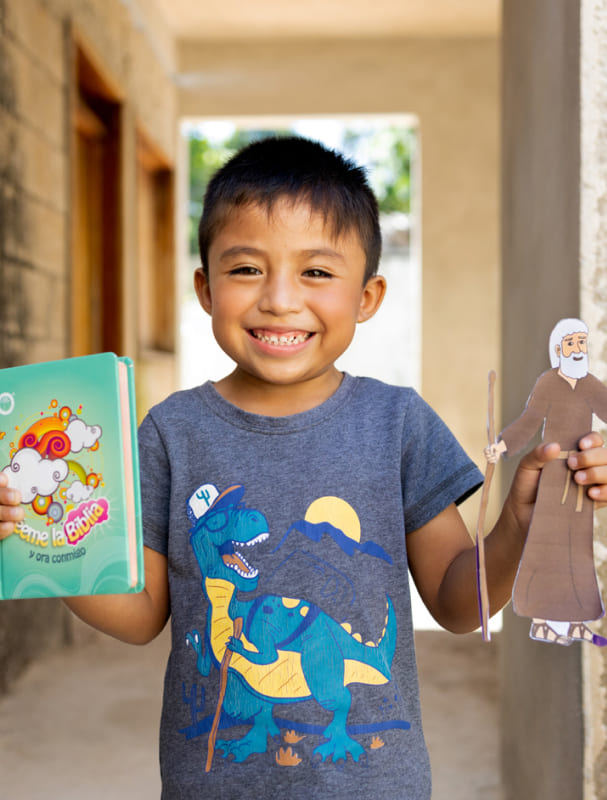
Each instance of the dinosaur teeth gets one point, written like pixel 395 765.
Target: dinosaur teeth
pixel 257 540
pixel 236 561
pixel 252 573
pixel 240 565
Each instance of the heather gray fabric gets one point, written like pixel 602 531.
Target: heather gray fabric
pixel 322 694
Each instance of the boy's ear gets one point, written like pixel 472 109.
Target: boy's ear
pixel 372 297
pixel 203 292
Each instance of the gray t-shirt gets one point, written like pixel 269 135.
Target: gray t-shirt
pixel 295 527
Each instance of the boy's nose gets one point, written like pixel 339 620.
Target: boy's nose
pixel 280 295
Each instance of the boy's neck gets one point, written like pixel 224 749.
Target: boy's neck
pixel 277 400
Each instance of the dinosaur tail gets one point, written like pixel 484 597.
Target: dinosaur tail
pixel 372 662
pixel 387 643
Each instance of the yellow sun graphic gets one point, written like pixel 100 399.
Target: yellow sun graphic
pixel 338 513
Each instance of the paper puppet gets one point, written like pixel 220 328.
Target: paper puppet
pixel 556 584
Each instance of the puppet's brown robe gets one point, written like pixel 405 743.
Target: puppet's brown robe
pixel 556 577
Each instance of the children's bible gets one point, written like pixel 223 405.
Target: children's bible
pixel 68 442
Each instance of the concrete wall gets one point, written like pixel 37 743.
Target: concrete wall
pixel 452 86
pixel 554 249
pixel 36 37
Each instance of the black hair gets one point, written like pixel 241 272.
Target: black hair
pixel 302 170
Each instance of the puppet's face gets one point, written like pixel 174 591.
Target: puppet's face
pixel 573 355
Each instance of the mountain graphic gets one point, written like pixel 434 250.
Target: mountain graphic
pixel 315 531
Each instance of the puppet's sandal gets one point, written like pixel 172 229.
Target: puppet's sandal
pixel 542 632
pixel 581 632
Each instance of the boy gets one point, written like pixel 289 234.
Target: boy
pixel 292 670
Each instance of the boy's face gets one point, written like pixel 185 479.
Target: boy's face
pixel 284 295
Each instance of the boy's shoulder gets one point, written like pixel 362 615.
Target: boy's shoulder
pixel 376 386
pixel 379 395
pixel 178 404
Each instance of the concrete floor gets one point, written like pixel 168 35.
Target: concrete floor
pixel 83 722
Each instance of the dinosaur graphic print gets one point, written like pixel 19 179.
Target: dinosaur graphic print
pixel 275 649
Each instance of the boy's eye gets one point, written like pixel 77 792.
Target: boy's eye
pixel 245 269
pixel 317 272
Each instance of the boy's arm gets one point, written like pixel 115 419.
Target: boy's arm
pixel 442 557
pixel 134 618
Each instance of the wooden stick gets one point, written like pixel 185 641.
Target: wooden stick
pixel 480 536
pixel 223 681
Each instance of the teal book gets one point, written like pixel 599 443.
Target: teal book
pixel 68 442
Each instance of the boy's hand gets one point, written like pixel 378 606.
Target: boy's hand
pixel 11 511
pixel 521 498
pixel 589 467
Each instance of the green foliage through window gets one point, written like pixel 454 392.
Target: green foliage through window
pixel 386 151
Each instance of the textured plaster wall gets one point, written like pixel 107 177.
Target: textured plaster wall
pixel 593 280
pixel 35 39
pixel 555 251
pixel 452 86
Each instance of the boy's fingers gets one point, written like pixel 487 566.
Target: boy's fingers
pixel 589 466
pixel 10 510
pixel 524 486
pixel 9 497
pixel 592 440
pixel 10 513
pixel 540 456
pixel 599 495
pixel 6 529
pixel 591 452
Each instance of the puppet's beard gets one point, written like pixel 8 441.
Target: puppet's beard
pixel 575 366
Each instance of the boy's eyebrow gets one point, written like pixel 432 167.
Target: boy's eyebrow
pixel 323 251
pixel 247 250
pixel 239 250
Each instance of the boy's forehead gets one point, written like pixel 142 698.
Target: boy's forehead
pixel 285 210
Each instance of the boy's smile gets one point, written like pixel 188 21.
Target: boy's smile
pixel 284 296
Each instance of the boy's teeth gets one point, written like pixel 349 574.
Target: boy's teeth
pixel 281 339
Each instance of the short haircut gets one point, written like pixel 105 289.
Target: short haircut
pixel 299 169
pixel 563 328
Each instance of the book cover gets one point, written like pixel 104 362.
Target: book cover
pixel 68 442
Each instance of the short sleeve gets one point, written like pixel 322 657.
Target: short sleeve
pixel 435 469
pixel 155 486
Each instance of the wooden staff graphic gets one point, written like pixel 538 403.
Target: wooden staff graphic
pixel 483 594
pixel 223 681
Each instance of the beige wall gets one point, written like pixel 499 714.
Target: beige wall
pixel 35 258
pixel 453 87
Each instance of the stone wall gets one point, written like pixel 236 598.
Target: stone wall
pixel 37 38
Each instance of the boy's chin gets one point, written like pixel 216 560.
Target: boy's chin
pixel 282 377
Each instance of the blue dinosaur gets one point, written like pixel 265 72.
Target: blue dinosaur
pixel 289 650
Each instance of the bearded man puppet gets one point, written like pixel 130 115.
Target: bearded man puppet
pixel 556 584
